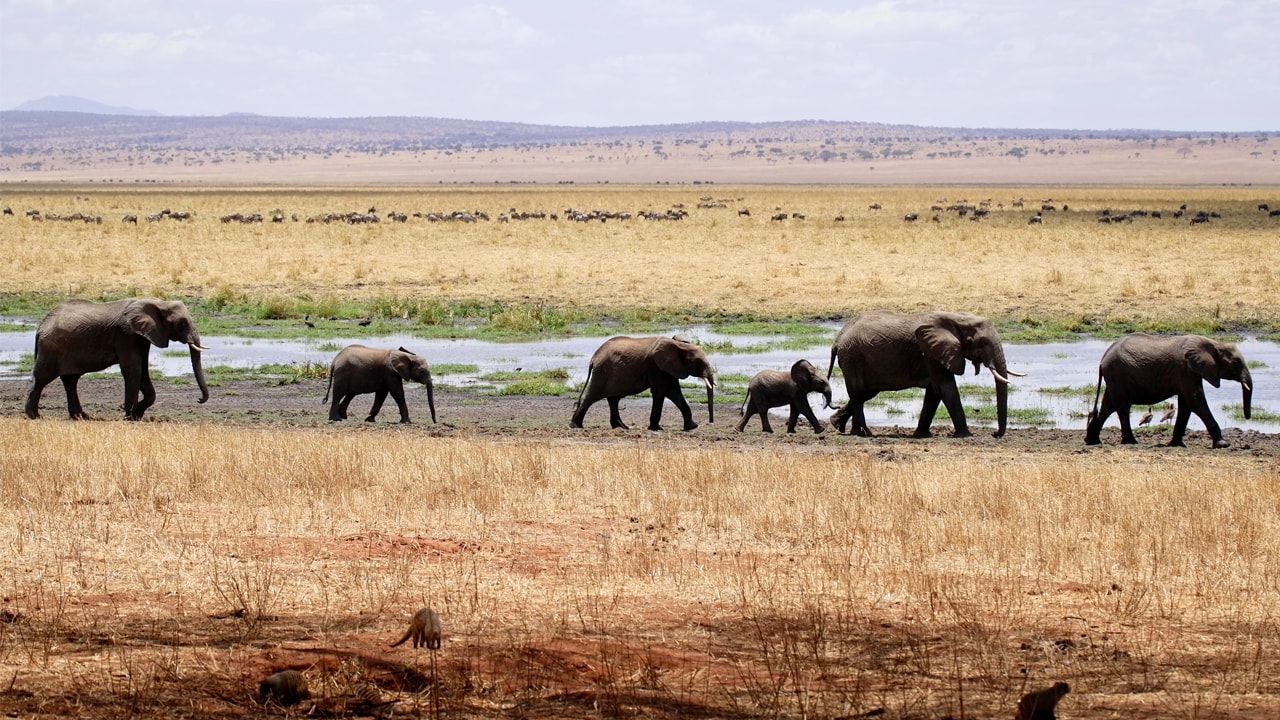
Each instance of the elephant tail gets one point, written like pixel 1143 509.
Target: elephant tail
pixel 1097 392
pixel 330 387
pixel 832 366
pixel 587 382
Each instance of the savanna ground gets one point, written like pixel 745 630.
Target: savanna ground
pixel 163 568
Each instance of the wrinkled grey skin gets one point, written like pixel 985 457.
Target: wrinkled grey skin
pixel 82 336
pixel 625 366
pixel 1143 369
pixel 775 388
pixel 357 370
pixel 881 350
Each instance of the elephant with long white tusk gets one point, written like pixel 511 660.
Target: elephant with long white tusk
pixel 82 336
pixel 881 350
pixel 626 366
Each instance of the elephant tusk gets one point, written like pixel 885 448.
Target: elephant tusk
pixel 1246 387
pixel 197 348
pixel 1016 374
pixel 999 377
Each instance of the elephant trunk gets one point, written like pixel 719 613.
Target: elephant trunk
pixel 826 397
pixel 1246 387
pixel 193 346
pixel 1001 374
pixel 711 397
pixel 431 399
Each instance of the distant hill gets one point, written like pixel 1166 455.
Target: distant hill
pixel 46 145
pixel 71 103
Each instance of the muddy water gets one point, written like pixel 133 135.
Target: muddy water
pixel 1048 366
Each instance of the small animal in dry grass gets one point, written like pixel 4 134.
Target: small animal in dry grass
pixel 1040 705
pixel 287 687
pixel 424 628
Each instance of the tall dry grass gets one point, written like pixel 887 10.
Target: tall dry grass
pixel 714 260
pixel 810 583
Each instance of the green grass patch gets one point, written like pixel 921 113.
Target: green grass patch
pixel 1259 414
pixel 455 369
pixel 765 327
pixel 292 373
pixel 1082 391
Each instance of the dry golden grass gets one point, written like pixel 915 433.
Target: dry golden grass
pixel 714 260
pixel 612 579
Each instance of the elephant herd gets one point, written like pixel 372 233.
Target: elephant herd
pixel 877 351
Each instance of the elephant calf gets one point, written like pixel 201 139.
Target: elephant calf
pixel 775 388
pixel 357 370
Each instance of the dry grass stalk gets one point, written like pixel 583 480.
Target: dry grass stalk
pixel 808 582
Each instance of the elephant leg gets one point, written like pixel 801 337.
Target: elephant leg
pixel 950 397
pixel 1198 404
pixel 747 412
pixel 927 411
pixel 763 411
pixel 858 415
pixel 378 398
pixel 70 383
pixel 1093 432
pixel 397 394
pixel 148 395
pixel 337 410
pixel 1123 409
pixel 346 402
pixel 809 415
pixel 615 417
pixel 677 397
pixel 38 383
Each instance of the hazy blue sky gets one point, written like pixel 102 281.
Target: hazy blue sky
pixel 1159 64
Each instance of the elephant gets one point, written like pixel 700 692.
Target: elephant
pixel 775 388
pixel 625 366
pixel 82 336
pixel 357 370
pixel 1141 369
pixel 881 350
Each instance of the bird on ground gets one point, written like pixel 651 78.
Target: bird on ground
pixel 364 322
pixel 306 320
pixel 1167 414
pixel 1146 418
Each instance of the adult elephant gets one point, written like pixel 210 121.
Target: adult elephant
pixel 881 350
pixel 1142 369
pixel 775 388
pixel 625 366
pixel 82 336
pixel 357 370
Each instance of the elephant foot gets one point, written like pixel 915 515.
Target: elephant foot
pixel 623 426
pixel 575 424
pixel 1092 440
pixel 918 435
pixel 962 434
pixel 1177 443
pixel 371 418
pixel 1134 441
pixel 1220 443
pixel 818 429
pixel 404 421
pixel 692 425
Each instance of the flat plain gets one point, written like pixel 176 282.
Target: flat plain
pixel 163 568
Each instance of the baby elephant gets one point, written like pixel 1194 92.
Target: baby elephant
pixel 775 388
pixel 357 370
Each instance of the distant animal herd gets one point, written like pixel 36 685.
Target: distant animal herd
pixel 974 211
pixel 877 351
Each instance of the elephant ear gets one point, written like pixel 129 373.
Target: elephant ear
pixel 941 345
pixel 402 363
pixel 145 319
pixel 673 357
pixel 802 374
pixel 1202 355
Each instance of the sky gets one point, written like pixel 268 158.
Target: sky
pixel 1202 65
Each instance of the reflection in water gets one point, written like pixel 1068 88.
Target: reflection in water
pixel 1049 366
